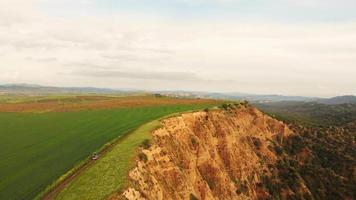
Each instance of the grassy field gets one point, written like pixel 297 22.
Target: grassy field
pixel 109 173
pixel 37 148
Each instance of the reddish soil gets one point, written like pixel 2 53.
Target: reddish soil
pixel 218 154
pixel 96 102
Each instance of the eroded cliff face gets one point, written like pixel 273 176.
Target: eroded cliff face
pixel 219 154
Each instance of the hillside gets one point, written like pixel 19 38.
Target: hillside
pixel 311 113
pixel 324 157
pixel 238 96
pixel 240 153
pixel 339 100
pixel 208 155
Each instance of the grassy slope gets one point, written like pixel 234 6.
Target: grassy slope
pixel 109 173
pixel 35 149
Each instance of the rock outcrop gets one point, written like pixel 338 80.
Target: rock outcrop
pixel 216 154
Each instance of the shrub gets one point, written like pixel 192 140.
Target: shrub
pixel 211 183
pixel 225 106
pixel 257 142
pixel 237 181
pixel 193 197
pixel 278 149
pixel 146 144
pixel 194 141
pixel 142 157
pixel 242 189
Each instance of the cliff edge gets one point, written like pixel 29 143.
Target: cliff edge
pixel 216 154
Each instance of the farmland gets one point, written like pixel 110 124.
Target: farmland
pixel 41 140
pixel 108 174
pixel 78 103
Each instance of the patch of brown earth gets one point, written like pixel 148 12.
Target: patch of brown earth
pixel 219 154
pixel 97 102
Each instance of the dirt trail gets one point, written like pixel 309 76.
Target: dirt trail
pixel 53 192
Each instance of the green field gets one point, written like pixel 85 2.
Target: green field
pixel 109 173
pixel 37 148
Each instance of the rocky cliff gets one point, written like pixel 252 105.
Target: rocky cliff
pixel 217 154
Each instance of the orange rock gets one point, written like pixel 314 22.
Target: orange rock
pixel 225 159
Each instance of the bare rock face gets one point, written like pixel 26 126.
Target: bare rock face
pixel 219 154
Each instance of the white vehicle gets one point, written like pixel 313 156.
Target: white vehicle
pixel 95 156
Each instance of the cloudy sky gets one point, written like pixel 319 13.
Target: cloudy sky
pixel 291 47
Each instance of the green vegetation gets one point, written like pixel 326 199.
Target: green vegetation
pixel 320 158
pixel 109 173
pixel 311 113
pixel 321 154
pixel 146 144
pixel 37 148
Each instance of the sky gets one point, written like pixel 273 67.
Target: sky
pixel 288 47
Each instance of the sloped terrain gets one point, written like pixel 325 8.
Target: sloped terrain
pixel 311 113
pixel 220 154
pixel 240 153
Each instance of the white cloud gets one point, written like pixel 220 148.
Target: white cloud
pixel 315 3
pixel 263 57
pixel 292 2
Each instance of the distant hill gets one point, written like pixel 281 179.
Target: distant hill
pixel 311 113
pixel 350 99
pixel 238 96
pixel 31 89
pixel 274 98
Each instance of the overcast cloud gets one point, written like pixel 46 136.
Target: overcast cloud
pixel 93 43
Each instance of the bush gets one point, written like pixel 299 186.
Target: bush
pixel 193 197
pixel 257 142
pixel 194 142
pixel 146 144
pixel 143 157
pixel 242 188
pixel 237 181
pixel 225 106
pixel 278 150
pixel 211 183
pixel 245 103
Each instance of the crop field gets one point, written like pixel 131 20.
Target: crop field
pixel 109 173
pixel 37 147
